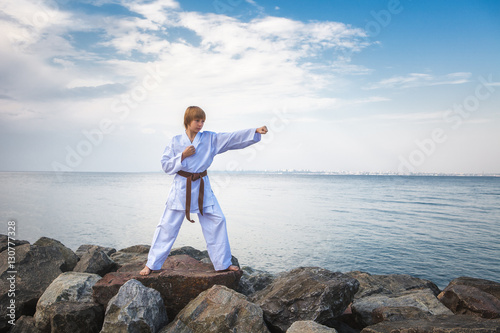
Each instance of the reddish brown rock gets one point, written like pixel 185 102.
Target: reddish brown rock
pixel 472 296
pixel 181 279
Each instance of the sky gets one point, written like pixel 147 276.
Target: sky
pixel 357 86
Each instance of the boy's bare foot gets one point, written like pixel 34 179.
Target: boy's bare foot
pixel 230 268
pixel 145 271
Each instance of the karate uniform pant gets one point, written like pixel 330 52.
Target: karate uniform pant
pixel 213 225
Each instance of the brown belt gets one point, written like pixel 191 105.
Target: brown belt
pixel 189 178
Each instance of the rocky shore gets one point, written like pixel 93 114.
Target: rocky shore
pixel 99 289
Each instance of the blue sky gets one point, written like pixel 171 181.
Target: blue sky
pixel 391 86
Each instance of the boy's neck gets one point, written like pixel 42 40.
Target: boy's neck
pixel 191 135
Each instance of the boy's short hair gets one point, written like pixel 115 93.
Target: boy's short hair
pixel 192 113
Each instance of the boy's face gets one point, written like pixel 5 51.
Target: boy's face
pixel 196 125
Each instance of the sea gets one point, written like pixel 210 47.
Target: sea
pixel 432 227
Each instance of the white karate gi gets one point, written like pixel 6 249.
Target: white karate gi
pixel 213 222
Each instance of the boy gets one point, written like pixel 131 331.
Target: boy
pixel 188 156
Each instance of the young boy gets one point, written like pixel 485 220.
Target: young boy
pixel 188 156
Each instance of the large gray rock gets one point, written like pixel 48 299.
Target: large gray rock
pixel 421 299
pixel 305 293
pixel 36 267
pixel 69 256
pixel 95 261
pixel 219 309
pixel 438 324
pixel 389 284
pixel 67 305
pixel 472 296
pixel 309 326
pixel 135 309
pixel 253 280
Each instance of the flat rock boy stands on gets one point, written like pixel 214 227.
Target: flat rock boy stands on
pixel 188 156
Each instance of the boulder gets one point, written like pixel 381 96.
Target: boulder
pixel 70 257
pixel 95 261
pixel 83 249
pixel 424 300
pixel 219 309
pixel 36 267
pixel 80 314
pixel 389 284
pixel 24 324
pixel 434 324
pixel 4 240
pixel 135 308
pixel 305 293
pixel 253 280
pixel 309 326
pixel 180 280
pixel 472 296
pixel 131 255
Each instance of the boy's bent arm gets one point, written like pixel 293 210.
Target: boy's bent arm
pixel 235 140
pixel 171 162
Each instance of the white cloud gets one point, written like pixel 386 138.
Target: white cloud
pixel 413 80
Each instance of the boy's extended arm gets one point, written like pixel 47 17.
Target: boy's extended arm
pixel 235 140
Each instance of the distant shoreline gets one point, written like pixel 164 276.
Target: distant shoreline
pixel 284 172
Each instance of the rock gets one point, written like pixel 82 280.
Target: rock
pixel 219 309
pixel 441 324
pixel 390 313
pixel 83 249
pixel 131 255
pixel 81 314
pixel 206 259
pixel 309 326
pixel 198 255
pixel 305 293
pixel 346 323
pixel 75 317
pixel 389 284
pixel 25 324
pixel 422 299
pixel 4 240
pixel 180 280
pixel 70 257
pixel 96 261
pixel 253 280
pixel 37 267
pixel 190 251
pixel 472 296
pixel 135 308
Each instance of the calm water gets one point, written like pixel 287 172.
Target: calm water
pixel 437 228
